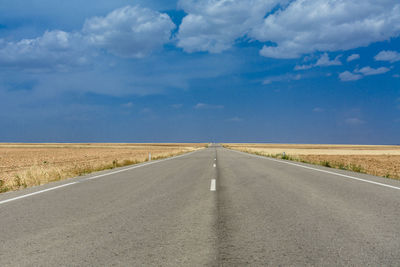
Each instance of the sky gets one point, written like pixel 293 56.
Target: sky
pixel 271 71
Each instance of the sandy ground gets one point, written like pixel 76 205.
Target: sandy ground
pixel 375 160
pixel 41 163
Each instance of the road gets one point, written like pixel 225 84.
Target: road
pixel 167 213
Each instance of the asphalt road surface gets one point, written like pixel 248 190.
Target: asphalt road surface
pixel 213 207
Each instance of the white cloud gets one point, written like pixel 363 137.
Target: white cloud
pixel 318 110
pixel 306 26
pixel 353 57
pixel 303 67
pixel 214 25
pixel 53 49
pixel 295 27
pixel 391 56
pixel 125 32
pixel 348 76
pixel 207 106
pixel 325 61
pixel 279 52
pixel 129 31
pixel 360 73
pixel 371 71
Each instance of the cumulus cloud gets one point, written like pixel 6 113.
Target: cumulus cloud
pixel 306 26
pixel 293 27
pixel 303 67
pixel 52 49
pixel 347 76
pixel 214 25
pixel 391 56
pixel 353 57
pixel 325 61
pixel 360 73
pixel 129 31
pixel 371 71
pixel 125 32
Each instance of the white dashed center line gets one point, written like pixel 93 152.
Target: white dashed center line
pixel 212 187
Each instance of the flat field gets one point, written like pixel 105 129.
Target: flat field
pixel 376 160
pixel 24 165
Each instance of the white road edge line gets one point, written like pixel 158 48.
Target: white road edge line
pixel 213 187
pixel 36 193
pixel 92 178
pixel 319 170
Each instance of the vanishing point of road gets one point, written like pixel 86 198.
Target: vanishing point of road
pixel 213 207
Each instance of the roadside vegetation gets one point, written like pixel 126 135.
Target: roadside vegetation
pixel 26 165
pixel 375 160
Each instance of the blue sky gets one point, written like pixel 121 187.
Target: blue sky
pixel 300 71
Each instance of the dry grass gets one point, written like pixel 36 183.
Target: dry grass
pixel 25 165
pixel 376 160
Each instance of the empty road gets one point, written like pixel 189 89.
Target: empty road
pixel 213 207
